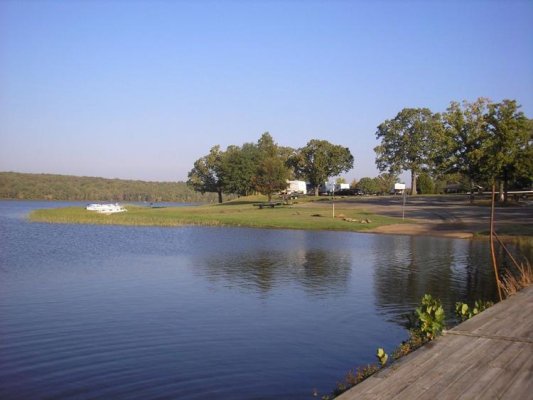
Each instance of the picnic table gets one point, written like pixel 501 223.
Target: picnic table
pixel 270 204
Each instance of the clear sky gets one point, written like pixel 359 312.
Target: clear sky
pixel 141 89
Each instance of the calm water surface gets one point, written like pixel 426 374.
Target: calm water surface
pixel 222 313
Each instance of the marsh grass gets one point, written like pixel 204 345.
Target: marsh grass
pixel 513 281
pixel 236 213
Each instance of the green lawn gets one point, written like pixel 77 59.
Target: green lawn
pixel 307 216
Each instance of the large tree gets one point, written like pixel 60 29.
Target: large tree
pixel 272 172
pixel 408 142
pixel 368 185
pixel 207 174
pixel 465 139
pixel 320 160
pixel 240 168
pixel 508 149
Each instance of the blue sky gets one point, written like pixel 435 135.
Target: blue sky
pixel 141 89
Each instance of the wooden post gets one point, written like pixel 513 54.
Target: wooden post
pixel 333 202
pixel 403 206
pixel 492 253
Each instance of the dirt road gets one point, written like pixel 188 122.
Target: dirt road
pixel 449 216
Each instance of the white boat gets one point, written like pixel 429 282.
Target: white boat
pixel 105 208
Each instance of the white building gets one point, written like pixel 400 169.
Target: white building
pixel 296 187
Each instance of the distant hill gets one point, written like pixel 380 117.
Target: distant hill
pixel 14 185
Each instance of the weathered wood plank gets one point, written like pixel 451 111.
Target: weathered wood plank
pixel 487 357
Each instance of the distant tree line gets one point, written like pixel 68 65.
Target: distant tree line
pixel 477 144
pixel 264 167
pixel 15 185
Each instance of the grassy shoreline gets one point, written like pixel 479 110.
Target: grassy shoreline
pixel 305 216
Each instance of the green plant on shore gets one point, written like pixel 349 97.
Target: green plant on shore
pixel 464 311
pixel 382 356
pixel 430 316
pixel 416 340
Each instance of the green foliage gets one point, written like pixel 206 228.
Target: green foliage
pixel 382 356
pixel 407 142
pixel 367 185
pixel 242 170
pixel 14 185
pixel 271 177
pixel 340 180
pixel 319 160
pixel 425 185
pixel 466 133
pixel 509 148
pixel 272 172
pixel 384 183
pixel 486 141
pixel 239 168
pixel 207 174
pixel 464 311
pixel 431 316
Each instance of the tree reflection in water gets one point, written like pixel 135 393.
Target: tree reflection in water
pixel 318 272
pixel 407 267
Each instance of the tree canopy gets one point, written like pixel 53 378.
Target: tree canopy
pixel 272 172
pixel 254 167
pixel 481 140
pixel 320 160
pixel 207 174
pixel 407 142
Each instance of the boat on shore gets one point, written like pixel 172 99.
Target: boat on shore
pixel 105 208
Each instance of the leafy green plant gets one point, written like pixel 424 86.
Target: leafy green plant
pixel 382 356
pixel 464 311
pixel 431 316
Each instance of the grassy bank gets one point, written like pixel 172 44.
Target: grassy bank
pixel 305 215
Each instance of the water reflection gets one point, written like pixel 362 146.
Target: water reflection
pixel 407 267
pixel 318 272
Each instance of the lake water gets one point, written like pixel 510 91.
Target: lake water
pixel 220 313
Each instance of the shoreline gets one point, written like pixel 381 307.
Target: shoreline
pixel 438 216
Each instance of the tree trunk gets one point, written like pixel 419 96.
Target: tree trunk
pixel 472 192
pixel 316 190
pixel 413 183
pixel 505 184
pixel 219 196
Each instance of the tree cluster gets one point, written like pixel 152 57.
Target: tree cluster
pixel 265 167
pixel 481 141
pixel 381 184
pixel 14 185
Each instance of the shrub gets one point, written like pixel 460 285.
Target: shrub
pixel 431 316
pixel 464 311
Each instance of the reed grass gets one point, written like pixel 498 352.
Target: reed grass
pixel 513 281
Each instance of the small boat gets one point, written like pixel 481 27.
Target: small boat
pixel 106 208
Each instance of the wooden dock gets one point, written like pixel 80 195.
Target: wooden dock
pixel 487 357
